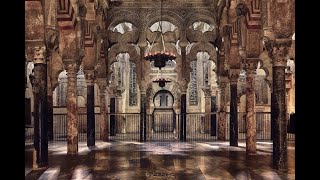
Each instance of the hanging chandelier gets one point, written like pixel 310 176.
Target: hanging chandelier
pixel 162 82
pixel 160 57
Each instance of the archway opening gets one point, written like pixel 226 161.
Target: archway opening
pixel 163 117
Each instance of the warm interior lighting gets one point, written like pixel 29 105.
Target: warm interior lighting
pixel 160 58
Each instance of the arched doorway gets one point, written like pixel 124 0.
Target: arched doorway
pixel 163 121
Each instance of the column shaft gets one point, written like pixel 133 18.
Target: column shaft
pixel 90 115
pixel 233 114
pixel 50 102
pixel 40 115
pixel 280 160
pixel 222 117
pixel 112 116
pixel 183 112
pixel 103 116
pixel 50 117
pixel 251 134
pixel 143 118
pixel 72 109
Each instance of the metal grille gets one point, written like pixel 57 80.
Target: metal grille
pixel 28 134
pixel 60 127
pixel 163 126
pixel 263 125
pixel 124 126
pixel 201 127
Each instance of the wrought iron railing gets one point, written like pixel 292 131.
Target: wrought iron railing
pixel 161 127
pixel 124 126
pixel 201 126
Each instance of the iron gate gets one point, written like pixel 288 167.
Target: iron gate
pixel 161 127
pixel 201 127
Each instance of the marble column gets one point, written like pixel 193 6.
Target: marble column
pixel 112 116
pixel 102 82
pixel 40 108
pixel 119 100
pixel 222 110
pixel 278 51
pixel 91 132
pixel 72 109
pixel 251 134
pixel 183 127
pixel 50 113
pixel 234 107
pixel 50 99
pixel 143 117
pixel 207 109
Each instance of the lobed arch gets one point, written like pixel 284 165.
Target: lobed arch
pixel 169 46
pixel 123 48
pixel 201 46
pixel 167 15
pixel 163 91
pixel 202 16
pixel 122 17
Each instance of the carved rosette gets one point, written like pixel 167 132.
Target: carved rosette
pixel 39 56
pixel 90 77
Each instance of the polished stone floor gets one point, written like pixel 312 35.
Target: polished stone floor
pixel 160 160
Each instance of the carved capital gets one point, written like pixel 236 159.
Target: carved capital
pixel 142 44
pixel 52 39
pixel 223 81
pixel 250 66
pixel 99 10
pixel 183 44
pixel 207 92
pixel 81 54
pixel 242 54
pixel 90 77
pixel 242 9
pixel 118 91
pixel 39 56
pixel 102 83
pixel 226 30
pixel 234 76
pixel 278 51
pixel 184 86
pixel 82 10
pixel 71 67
